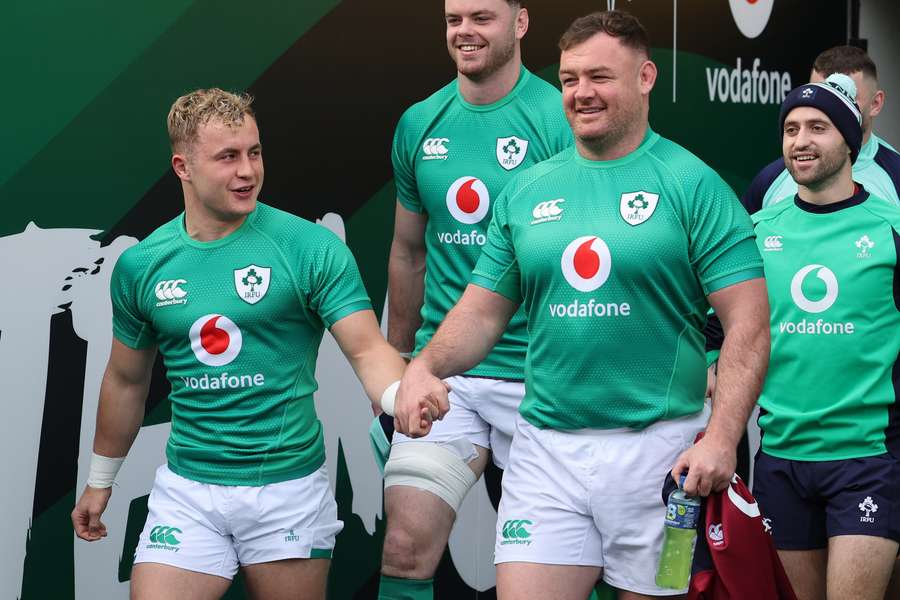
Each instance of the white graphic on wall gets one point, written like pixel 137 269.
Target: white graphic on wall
pixel 56 259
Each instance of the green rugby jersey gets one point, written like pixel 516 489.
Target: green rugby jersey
pixel 238 322
pixel 612 262
pixel 451 159
pixel 834 290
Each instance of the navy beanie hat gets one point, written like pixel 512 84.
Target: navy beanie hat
pixel 834 97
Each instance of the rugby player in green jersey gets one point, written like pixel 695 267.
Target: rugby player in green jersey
pixel 235 295
pixel 452 154
pixel 828 473
pixel 615 285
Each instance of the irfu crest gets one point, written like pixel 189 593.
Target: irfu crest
pixel 252 283
pixel 511 152
pixel 637 207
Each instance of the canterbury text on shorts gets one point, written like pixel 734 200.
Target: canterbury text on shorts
pixel 591 497
pixel 483 411
pixel 214 529
pixel 808 502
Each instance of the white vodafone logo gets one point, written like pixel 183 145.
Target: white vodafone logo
pixel 468 200
pixel 751 16
pixel 215 340
pixel 586 263
pixel 831 289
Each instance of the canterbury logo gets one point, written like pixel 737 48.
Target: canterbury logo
pixel 547 209
pixel 773 243
pixel 515 529
pixel 170 290
pixel 435 146
pixel 162 534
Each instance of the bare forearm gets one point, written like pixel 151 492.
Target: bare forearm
pixel 406 285
pixel 377 367
pixel 119 415
pixel 375 362
pixel 468 333
pixel 741 371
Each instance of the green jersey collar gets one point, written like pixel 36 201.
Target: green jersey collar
pixel 867 152
pixel 237 233
pixel 870 149
pixel 524 76
pixel 650 138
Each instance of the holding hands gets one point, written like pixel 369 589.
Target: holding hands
pixel 420 400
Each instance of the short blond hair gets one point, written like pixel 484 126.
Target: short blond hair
pixel 199 107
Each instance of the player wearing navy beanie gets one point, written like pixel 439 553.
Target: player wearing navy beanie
pixel 834 97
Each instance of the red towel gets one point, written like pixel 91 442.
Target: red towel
pixel 735 557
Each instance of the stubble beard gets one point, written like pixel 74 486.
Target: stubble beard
pixel 617 129
pixel 821 178
pixel 498 57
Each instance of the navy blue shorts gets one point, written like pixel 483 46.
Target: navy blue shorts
pixel 809 502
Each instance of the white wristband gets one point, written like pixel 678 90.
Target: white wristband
pixel 103 470
pixel 388 397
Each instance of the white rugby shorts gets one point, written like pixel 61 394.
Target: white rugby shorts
pixel 214 529
pixel 591 497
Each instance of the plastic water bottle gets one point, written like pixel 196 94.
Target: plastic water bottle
pixel 682 514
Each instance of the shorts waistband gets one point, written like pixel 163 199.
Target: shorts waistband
pixel 486 378
pixel 656 425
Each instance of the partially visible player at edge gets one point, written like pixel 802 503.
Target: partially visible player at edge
pixel 615 291
pixel 828 472
pixel 877 167
pixel 452 154
pixel 251 290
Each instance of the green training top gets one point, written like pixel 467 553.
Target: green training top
pixel 238 322
pixel 834 290
pixel 451 159
pixel 612 262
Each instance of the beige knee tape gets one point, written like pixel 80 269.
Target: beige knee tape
pixel 433 467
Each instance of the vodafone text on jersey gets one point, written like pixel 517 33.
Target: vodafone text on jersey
pixel 827 278
pixel 216 341
pixel 586 265
pixel 468 202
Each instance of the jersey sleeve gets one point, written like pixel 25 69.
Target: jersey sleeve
pixel 337 288
pixel 130 326
pixel 722 247
pixel 403 157
pixel 497 269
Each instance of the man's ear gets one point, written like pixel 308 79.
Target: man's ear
pixel 877 103
pixel 181 166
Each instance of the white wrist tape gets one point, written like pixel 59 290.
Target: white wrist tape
pixel 388 398
pixel 103 470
